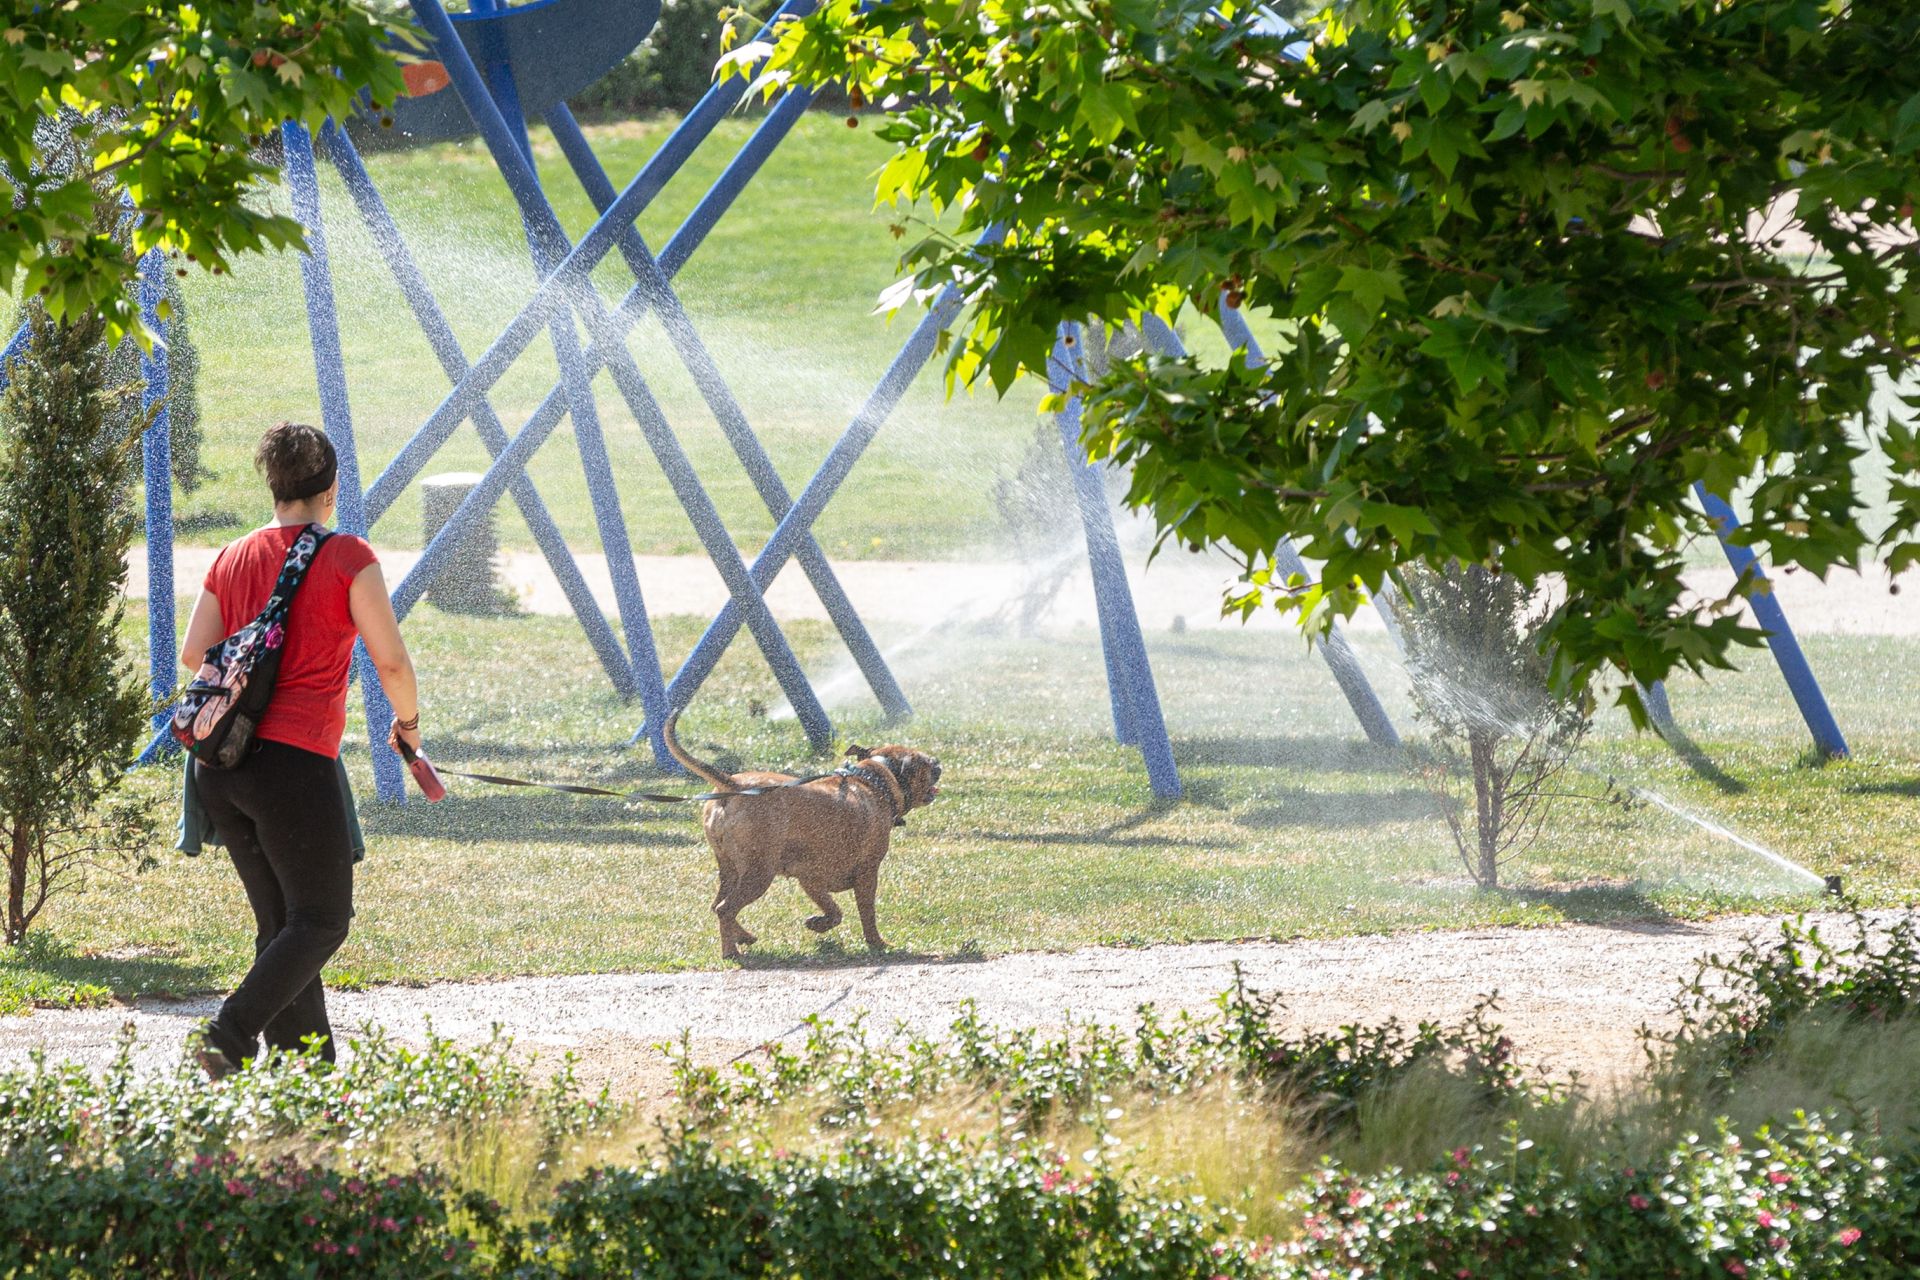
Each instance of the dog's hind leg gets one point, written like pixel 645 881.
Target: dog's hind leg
pixel 866 887
pixel 726 902
pixel 749 885
pixel 830 914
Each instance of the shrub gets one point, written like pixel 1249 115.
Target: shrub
pixel 910 1210
pixel 1736 1010
pixel 71 713
pixel 382 1095
pixel 843 1078
pixel 218 1216
pixel 673 68
pixel 1806 1201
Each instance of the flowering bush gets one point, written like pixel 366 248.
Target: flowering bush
pixel 219 1216
pixel 1803 1202
pixel 909 1210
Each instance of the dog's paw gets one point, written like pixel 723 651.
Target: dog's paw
pixel 878 944
pixel 820 924
pixel 744 938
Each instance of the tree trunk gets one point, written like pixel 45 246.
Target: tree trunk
pixel 17 849
pixel 1481 747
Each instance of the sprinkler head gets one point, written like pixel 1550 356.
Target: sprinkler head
pixel 1834 889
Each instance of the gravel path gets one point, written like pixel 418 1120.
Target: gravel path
pixel 1571 997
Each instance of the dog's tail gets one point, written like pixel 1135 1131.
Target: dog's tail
pixel 698 768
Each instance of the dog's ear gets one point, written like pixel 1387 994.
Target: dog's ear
pixel 857 752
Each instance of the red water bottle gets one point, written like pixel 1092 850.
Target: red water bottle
pixel 429 782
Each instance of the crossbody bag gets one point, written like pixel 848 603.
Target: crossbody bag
pixel 218 713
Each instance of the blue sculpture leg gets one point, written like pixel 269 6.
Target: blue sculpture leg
pixel 834 469
pixel 548 248
pixel 453 360
pixel 607 336
pixel 732 419
pixel 1138 702
pixel 1827 738
pixel 553 293
pixel 1344 664
pixel 156 450
pixel 324 328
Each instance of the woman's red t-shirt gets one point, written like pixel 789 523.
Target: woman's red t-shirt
pixel 309 705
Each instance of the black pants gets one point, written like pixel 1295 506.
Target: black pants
pixel 280 817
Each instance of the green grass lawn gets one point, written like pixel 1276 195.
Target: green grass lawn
pixel 1046 836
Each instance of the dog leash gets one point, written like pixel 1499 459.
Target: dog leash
pixel 415 761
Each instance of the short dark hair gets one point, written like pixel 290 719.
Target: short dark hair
pixel 297 460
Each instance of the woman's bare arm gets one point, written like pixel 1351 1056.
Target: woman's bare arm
pixel 203 631
pixel 372 611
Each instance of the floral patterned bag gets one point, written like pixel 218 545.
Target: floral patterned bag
pixel 218 713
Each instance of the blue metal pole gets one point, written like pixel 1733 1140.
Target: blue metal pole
pixel 453 360
pixel 552 293
pixel 732 419
pixel 1334 647
pixel 673 461
pixel 163 651
pixel 323 326
pixel 1827 737
pixel 834 469
pixel 1342 661
pixel 1062 372
pixel 1128 655
pixel 548 246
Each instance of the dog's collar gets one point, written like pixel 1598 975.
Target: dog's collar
pixel 895 791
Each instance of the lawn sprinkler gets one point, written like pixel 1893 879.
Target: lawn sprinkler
pixel 1834 887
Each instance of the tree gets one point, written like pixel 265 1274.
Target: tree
pixel 173 96
pixel 1531 268
pixel 184 439
pixel 1501 735
pixel 71 710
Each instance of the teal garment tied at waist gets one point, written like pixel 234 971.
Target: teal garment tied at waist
pixel 195 832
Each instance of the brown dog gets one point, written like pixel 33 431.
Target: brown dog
pixel 829 834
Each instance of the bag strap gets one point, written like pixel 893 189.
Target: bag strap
pixel 293 571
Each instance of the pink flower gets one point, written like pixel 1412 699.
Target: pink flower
pixel 1779 1176
pixel 1764 1218
pixel 1453 1179
pixel 1462 1274
pixel 1639 1201
pixel 388 1224
pixel 235 1187
pixel 1460 1156
pixel 1049 1180
pixel 353 1251
pixel 1736 1267
pixel 1848 1235
pixel 1357 1197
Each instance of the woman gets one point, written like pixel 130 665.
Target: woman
pixel 280 813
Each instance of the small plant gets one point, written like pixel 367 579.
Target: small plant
pixel 1502 735
pixel 1735 1010
pixel 71 713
